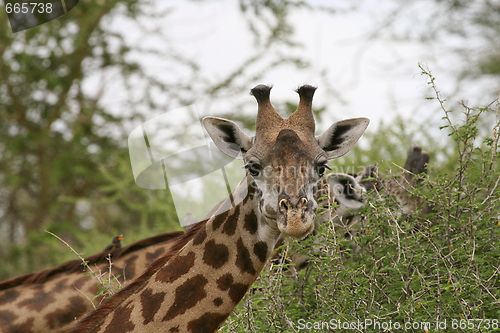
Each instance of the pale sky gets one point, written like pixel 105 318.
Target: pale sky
pixel 377 79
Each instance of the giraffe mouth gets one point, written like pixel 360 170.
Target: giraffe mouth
pixel 296 231
pixel 293 223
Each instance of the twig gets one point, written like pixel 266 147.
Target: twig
pixel 81 292
pixel 78 254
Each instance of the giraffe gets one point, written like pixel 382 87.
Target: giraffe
pixel 199 283
pixel 52 300
pixel 400 186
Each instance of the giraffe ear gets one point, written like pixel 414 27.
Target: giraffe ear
pixel 228 137
pixel 342 136
pixel 346 190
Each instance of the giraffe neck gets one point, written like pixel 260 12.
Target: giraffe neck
pixel 198 287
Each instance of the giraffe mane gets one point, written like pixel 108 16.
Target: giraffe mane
pixel 95 317
pixel 76 265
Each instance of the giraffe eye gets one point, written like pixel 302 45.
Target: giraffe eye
pixel 320 169
pixel 254 168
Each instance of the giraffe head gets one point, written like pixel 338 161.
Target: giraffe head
pixel 284 158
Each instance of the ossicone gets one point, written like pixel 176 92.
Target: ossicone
pixel 261 92
pixel 306 92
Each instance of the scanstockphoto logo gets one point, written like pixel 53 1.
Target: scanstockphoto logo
pixel 172 149
pixel 28 14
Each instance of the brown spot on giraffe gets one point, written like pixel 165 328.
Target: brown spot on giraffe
pixel 200 237
pixel 61 317
pixel 237 291
pixel 150 304
pixel 121 320
pixel 78 284
pixel 260 250
pixel 61 285
pixel 8 296
pixel 116 270
pixel 7 317
pixel 39 300
pixel 129 266
pixel 180 265
pixel 231 224
pixel 187 295
pixel 251 223
pixel 208 322
pixel 154 255
pixel 243 259
pixel 225 282
pixel 215 255
pixel 219 220
pixel 218 301
pixel 26 327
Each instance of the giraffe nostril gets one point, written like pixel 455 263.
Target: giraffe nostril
pixel 283 205
pixel 303 202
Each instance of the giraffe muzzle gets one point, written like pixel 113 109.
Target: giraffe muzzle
pixel 295 220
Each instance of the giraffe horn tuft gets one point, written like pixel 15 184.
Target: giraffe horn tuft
pixel 306 93
pixel 261 93
pixel 303 116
